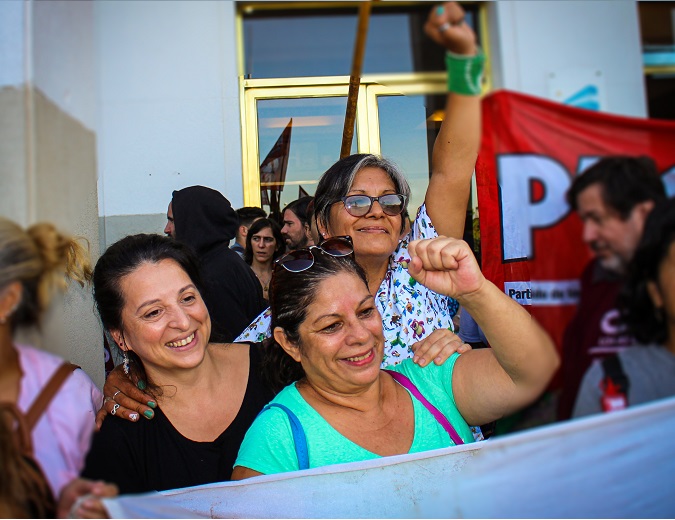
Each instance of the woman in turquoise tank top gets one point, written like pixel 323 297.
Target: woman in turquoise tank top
pixel 328 342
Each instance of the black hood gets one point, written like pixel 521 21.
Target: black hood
pixel 203 218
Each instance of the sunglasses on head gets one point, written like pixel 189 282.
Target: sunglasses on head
pixel 303 259
pixel 392 204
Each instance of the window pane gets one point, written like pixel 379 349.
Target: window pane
pixel 660 94
pixel 311 148
pixel 657 27
pixel 408 129
pixel 282 44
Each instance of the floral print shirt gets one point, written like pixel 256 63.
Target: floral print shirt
pixel 410 311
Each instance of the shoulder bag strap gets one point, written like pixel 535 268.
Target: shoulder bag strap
pixel 48 392
pixel 299 437
pixel 409 385
pixel 10 413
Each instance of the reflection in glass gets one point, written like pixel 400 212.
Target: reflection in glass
pixel 408 128
pixel 319 42
pixel 298 140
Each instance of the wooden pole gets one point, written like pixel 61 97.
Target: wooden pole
pixel 355 78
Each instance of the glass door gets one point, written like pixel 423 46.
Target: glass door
pixel 292 64
pixel 294 135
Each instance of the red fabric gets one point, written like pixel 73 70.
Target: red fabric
pixel 559 138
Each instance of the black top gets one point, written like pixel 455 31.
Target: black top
pixel 205 221
pixel 153 455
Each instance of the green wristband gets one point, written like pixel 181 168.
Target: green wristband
pixel 465 73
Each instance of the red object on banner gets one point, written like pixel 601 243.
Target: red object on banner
pixel 531 150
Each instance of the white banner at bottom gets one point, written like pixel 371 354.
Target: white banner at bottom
pixel 618 465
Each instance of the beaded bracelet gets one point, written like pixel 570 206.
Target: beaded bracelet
pixel 465 73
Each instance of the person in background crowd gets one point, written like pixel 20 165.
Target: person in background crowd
pixel 311 222
pixel 203 219
pixel 366 197
pixel 247 216
pixel 328 333
pixel 647 371
pixel 264 244
pixel 34 263
pixel 613 199
pixel 296 231
pixel 206 395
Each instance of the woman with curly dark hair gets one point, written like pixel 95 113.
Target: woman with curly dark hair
pixel 646 372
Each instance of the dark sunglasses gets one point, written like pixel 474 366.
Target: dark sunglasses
pixel 359 205
pixel 302 259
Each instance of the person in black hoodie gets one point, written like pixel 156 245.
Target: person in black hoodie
pixel 203 219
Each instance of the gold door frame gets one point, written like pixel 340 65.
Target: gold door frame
pixel 367 118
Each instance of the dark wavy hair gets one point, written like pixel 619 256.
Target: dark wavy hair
pixel 248 214
pixel 290 296
pixel 336 182
pixel 299 209
pixel 625 181
pixel 123 258
pixel 257 226
pixel 644 320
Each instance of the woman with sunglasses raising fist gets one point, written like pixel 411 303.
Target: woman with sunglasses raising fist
pixel 366 197
pixel 341 407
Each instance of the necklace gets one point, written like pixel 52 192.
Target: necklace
pixel 265 283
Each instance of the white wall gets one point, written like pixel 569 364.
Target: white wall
pixel 169 103
pixel 536 43
pixel 47 149
pixel 64 57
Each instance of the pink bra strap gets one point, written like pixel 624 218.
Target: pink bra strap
pixel 409 385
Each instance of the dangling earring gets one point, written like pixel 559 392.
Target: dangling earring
pixel 125 364
pixel 125 360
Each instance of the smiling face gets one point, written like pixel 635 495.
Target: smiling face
pixel 375 234
pixel 164 319
pixel 263 246
pixel 341 341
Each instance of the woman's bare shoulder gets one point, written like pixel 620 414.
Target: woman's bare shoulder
pixel 230 352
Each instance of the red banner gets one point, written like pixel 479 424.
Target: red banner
pixel 531 150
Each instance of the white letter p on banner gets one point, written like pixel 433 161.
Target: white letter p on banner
pixel 520 213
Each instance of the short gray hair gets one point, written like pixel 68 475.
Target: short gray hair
pixel 336 182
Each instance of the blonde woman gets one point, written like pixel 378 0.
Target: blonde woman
pixel 35 262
